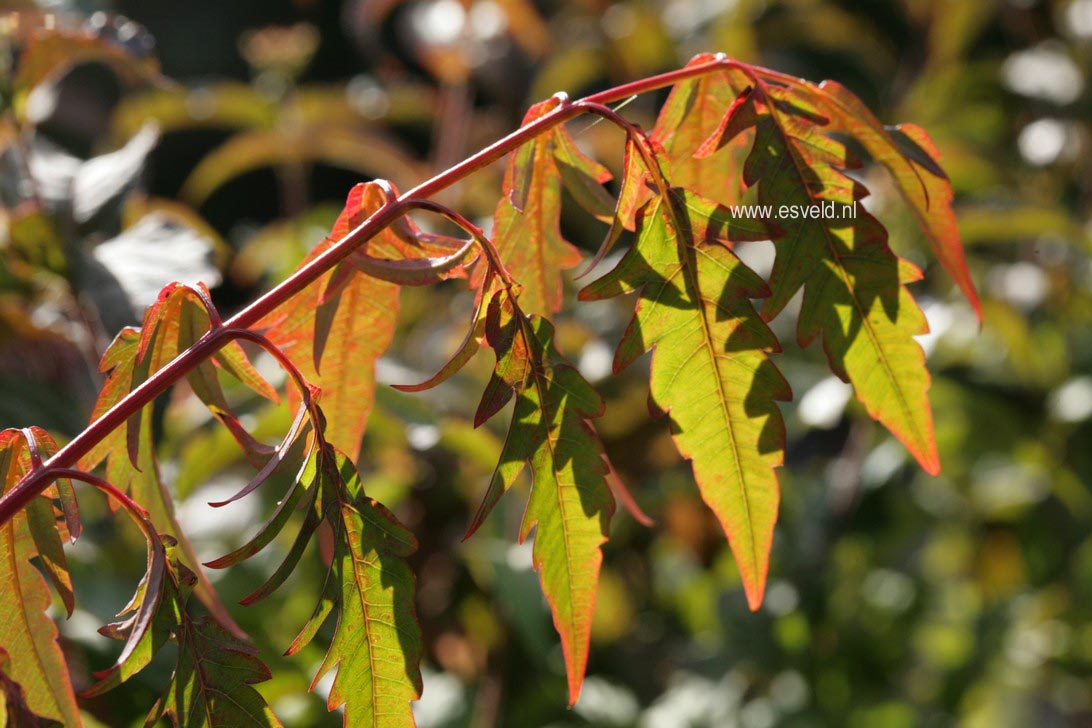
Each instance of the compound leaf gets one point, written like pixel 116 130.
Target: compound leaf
pixel 174 322
pixel 212 680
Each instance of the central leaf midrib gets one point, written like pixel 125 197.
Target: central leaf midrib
pixel 197 668
pixel 550 443
pixel 689 264
pixel 360 580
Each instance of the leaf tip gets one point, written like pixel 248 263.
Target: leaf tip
pixel 475 524
pixel 929 461
pixel 755 589
pixel 622 494
pixel 754 601
pixel 976 304
pixel 575 670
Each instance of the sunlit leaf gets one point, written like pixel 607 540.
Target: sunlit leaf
pixel 14 710
pixel 53 517
pixel 377 642
pixel 710 370
pixel 27 635
pixel 338 327
pixel 551 432
pixel 692 112
pixel 339 353
pixel 527 219
pixel 913 161
pixel 854 286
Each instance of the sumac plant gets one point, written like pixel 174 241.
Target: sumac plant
pixel 726 127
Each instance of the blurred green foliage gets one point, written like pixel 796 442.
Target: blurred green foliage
pixel 895 598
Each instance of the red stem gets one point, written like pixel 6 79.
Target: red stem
pixel 484 244
pixel 135 509
pixel 69 456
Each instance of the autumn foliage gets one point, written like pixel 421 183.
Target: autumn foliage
pixel 726 129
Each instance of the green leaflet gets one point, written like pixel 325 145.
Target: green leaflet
pixel 377 641
pixel 710 370
pixel 527 219
pixel 42 513
pixel 570 505
pixel 911 158
pixel 27 635
pixel 14 710
pixel 377 646
pixel 156 610
pixel 854 292
pixel 212 681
